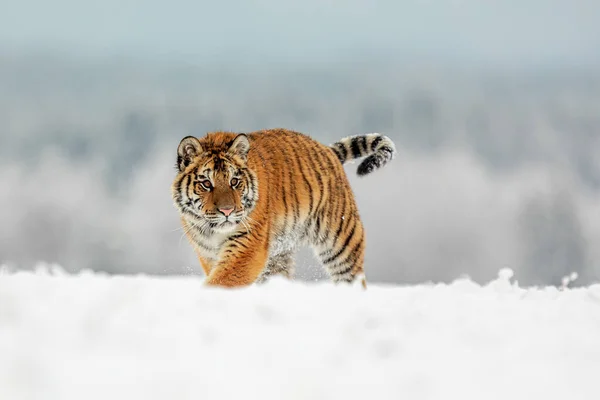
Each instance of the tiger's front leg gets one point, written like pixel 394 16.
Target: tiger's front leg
pixel 242 260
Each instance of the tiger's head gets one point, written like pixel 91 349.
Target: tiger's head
pixel 214 189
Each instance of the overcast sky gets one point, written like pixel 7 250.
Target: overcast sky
pixel 525 32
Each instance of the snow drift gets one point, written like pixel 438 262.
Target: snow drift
pixel 95 336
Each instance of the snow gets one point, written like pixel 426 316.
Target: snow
pixel 95 336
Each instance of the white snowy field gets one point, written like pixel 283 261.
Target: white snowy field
pixel 93 336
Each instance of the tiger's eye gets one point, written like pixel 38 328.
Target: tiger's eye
pixel 234 182
pixel 206 184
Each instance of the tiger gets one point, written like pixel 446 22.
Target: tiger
pixel 248 201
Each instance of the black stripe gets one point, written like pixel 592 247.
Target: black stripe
pixel 341 250
pixel 354 147
pixel 375 142
pixel 309 189
pixel 351 258
pixel 283 199
pixel 346 222
pixel 177 197
pixel 335 215
pixel 254 188
pixel 322 223
pixel 341 151
pixel 317 227
pixel 308 185
pixel 219 163
pixel 328 210
pixel 250 188
pixel 317 158
pixel 296 205
pixel 188 180
pixel 363 144
pixel 238 235
pixel 338 154
pixel 312 158
pixel 183 186
pixel 344 219
pixel 368 165
pixel 347 268
pixel 187 212
pixel 236 244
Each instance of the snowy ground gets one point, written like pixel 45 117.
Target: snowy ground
pixel 92 336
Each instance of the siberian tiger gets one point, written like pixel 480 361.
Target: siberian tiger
pixel 248 201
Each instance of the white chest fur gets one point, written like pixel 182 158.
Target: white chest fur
pixel 209 246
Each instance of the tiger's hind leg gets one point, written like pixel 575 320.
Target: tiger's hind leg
pixel 281 264
pixel 342 252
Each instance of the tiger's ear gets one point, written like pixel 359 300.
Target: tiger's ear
pixel 189 147
pixel 240 147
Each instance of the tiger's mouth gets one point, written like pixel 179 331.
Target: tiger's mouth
pixel 225 222
pixel 222 222
pixel 225 225
pixel 229 223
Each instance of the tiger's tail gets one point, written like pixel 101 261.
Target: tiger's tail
pixel 378 149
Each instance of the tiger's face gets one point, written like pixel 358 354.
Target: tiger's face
pixel 214 189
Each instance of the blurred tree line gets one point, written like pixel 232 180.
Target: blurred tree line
pixel 122 112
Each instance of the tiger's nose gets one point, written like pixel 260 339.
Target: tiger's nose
pixel 226 210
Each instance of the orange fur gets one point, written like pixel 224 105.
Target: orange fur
pixel 290 190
